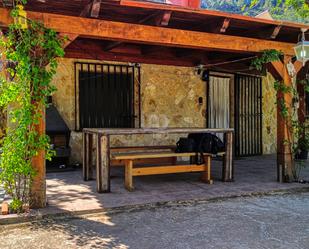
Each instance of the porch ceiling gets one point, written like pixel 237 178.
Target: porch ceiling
pixel 93 49
pixel 149 13
pixel 163 34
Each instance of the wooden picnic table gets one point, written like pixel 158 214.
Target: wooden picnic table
pixel 102 140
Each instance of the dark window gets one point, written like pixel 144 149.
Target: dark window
pixel 106 95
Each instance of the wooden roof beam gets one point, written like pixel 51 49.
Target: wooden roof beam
pixel 275 32
pixel 92 9
pixel 69 38
pixel 225 25
pixel 137 33
pixel 95 8
pixel 88 10
pixel 160 19
pixel 278 67
pixel 164 18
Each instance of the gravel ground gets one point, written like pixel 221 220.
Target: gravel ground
pixel 280 221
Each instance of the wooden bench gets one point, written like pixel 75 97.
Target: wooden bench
pixel 130 171
pixel 143 149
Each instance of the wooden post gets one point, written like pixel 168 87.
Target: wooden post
pixel 228 167
pixel 128 175
pixel 206 174
pixel 284 136
pixel 87 156
pixel 38 186
pixel 102 164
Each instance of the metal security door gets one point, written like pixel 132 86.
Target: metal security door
pixel 248 115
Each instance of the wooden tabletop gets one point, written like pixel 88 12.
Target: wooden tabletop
pixel 132 131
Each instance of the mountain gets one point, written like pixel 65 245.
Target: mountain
pixel 278 12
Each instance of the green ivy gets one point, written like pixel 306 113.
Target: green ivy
pixel 23 92
pixel 266 57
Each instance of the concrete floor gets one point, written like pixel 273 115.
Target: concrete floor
pixel 279 221
pixel 68 192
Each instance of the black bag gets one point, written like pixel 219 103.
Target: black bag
pixel 207 143
pixel 185 145
pixel 217 145
pixel 203 142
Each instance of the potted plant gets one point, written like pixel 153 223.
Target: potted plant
pixel 302 147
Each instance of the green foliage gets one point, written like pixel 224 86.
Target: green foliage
pixel 290 10
pixel 34 51
pixel 266 57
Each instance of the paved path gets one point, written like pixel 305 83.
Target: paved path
pixel 256 222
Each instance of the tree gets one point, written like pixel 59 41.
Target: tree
pixel 290 10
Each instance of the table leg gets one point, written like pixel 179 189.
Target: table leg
pixel 87 157
pixel 103 164
pixel 228 163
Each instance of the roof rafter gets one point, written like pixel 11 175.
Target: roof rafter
pixel 275 32
pixel 225 25
pixel 95 8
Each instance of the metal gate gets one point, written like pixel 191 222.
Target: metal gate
pixel 105 95
pixel 248 115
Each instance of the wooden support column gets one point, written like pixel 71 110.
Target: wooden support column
pixel 285 161
pixel 102 164
pixel 228 169
pixel 284 136
pixel 38 187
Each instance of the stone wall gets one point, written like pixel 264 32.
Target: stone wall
pixel 169 98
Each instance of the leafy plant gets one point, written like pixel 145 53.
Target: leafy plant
pixel 266 57
pixel 23 92
pixel 303 142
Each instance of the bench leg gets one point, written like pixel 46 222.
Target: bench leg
pixel 206 174
pixel 128 182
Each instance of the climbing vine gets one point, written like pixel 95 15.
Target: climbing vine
pixel 30 51
pixel 299 139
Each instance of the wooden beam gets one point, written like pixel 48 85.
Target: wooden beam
pixel 275 32
pixel 127 32
pixel 95 8
pixel 164 18
pixel 69 38
pixel 225 25
pixel 112 45
pixel 88 10
pixel 284 136
pixel 146 19
pixel 87 49
pixel 38 186
pixel 159 19
pixel 278 67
